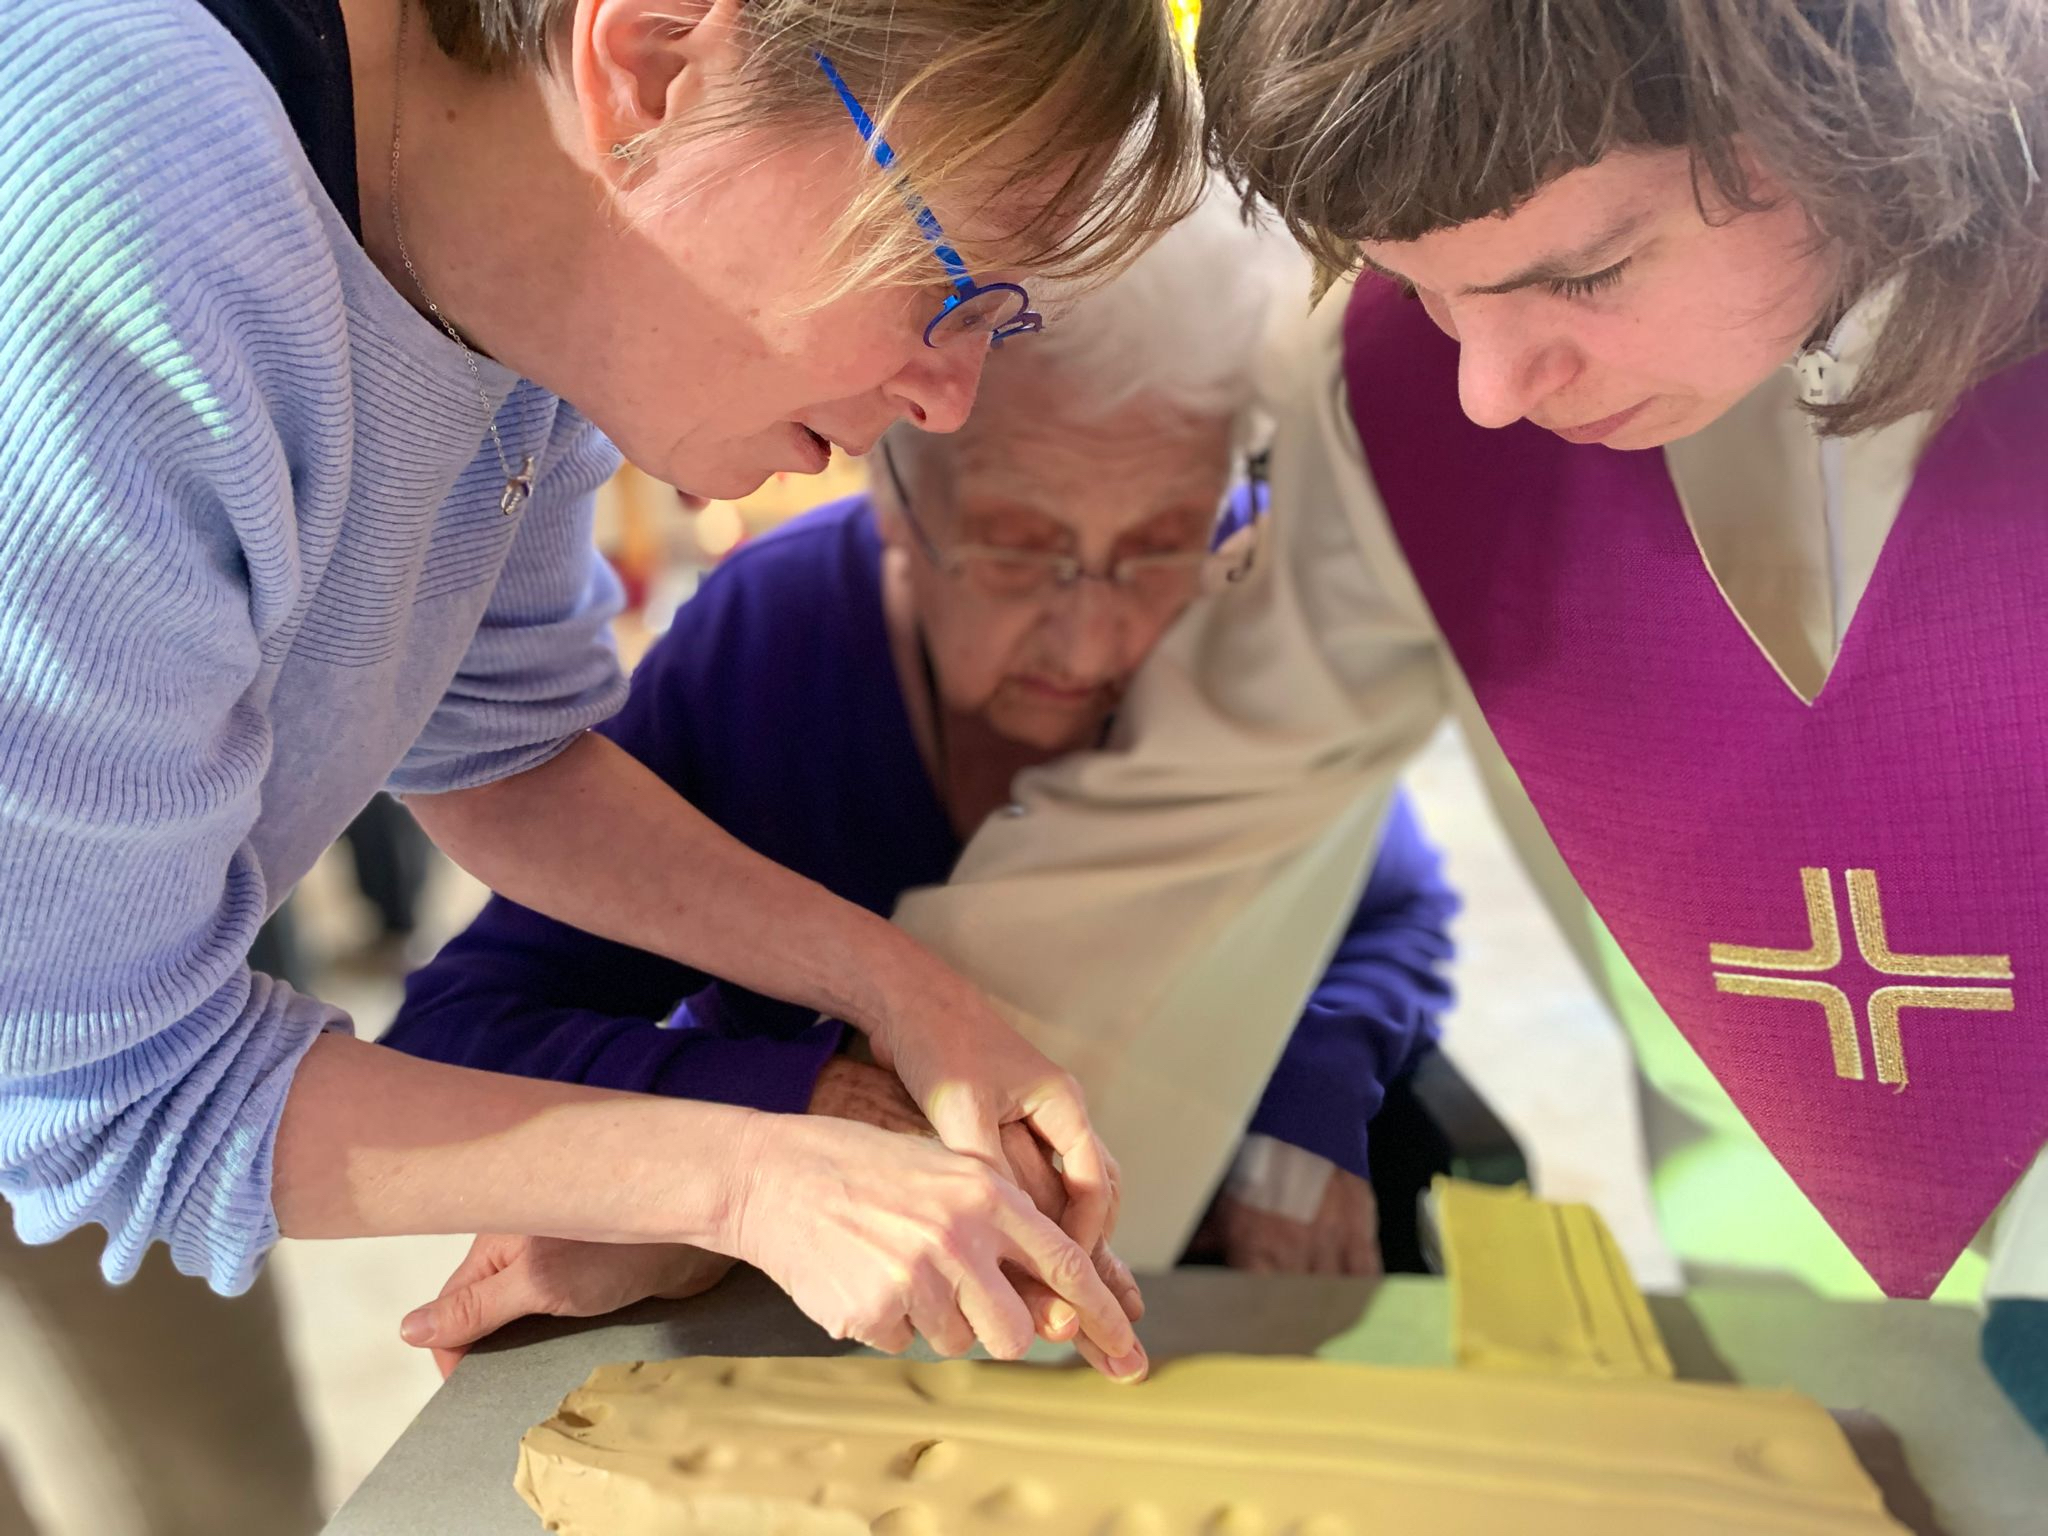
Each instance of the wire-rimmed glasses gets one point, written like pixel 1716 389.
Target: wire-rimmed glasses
pixel 1027 575
pixel 986 312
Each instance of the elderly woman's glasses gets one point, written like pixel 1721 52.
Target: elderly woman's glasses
pixel 1023 575
pixel 981 312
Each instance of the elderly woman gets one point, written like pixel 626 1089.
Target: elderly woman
pixel 855 694
pixel 317 325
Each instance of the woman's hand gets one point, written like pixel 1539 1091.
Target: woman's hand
pixel 1342 1239
pixel 974 1076
pixel 506 1278
pixel 879 1237
pixel 853 1090
pixel 638 865
pixel 875 1234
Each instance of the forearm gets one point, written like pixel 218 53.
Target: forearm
pixel 376 1143
pixel 594 839
pixel 471 1019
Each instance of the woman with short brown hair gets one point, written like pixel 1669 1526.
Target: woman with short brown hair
pixel 1775 675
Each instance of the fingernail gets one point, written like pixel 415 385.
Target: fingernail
pixel 416 1329
pixel 1131 1367
pixel 1060 1316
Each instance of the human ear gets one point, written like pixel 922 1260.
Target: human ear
pixel 641 65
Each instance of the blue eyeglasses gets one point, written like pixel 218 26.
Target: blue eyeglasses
pixel 988 312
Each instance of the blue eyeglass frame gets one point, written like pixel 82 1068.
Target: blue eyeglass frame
pixel 1025 321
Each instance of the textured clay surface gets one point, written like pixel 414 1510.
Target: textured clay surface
pixel 1211 1446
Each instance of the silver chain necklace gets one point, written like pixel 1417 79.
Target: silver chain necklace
pixel 519 482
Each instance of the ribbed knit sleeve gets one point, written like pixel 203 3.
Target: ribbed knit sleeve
pixel 169 324
pixel 542 668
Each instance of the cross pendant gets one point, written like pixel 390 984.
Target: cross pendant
pixel 517 488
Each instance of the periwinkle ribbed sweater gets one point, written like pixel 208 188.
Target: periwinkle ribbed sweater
pixel 252 568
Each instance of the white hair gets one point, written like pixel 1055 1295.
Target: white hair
pixel 1195 323
pixel 1200 323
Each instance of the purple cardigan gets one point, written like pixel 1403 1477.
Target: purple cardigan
pixel 772 706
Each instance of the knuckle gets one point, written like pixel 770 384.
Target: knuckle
pixel 1007 1345
pixel 994 1195
pixel 1069 1269
pixel 982 1197
pixel 869 1327
pixel 461 1313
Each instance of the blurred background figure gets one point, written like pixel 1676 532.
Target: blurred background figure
pixel 389 859
pixel 154 1409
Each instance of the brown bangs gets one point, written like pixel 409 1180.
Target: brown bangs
pixel 1908 130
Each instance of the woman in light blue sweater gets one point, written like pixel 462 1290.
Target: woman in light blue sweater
pixel 315 318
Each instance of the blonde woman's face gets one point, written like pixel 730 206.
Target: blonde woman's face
pixel 1609 309
pixel 726 367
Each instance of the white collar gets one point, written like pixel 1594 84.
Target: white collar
pixel 1827 370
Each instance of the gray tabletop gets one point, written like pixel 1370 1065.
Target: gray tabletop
pixel 1911 1365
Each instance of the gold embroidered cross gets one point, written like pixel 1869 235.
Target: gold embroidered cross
pixel 1824 953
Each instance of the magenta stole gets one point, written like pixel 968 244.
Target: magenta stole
pixel 1844 907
